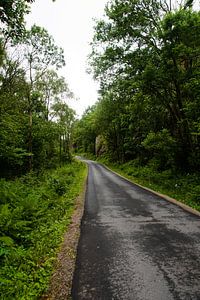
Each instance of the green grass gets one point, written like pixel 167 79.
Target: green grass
pixel 34 214
pixel 184 188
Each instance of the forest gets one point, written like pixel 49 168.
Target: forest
pixel 146 124
pixel 39 178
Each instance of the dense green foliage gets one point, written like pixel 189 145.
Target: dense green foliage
pixel 147 119
pixel 146 58
pixel 34 213
pixel 35 120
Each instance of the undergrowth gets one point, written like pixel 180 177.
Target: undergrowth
pixel 34 214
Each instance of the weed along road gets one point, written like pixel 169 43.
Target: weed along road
pixel 134 245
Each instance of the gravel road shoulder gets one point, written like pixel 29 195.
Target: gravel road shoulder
pixel 61 280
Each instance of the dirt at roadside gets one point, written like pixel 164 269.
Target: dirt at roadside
pixel 61 280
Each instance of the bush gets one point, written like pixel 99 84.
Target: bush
pixel 162 147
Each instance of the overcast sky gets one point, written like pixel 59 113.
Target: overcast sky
pixel 71 23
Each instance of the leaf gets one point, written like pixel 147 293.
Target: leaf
pixel 8 241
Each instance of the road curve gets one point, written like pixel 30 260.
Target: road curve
pixel 134 245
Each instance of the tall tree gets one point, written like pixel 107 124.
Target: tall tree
pixel 51 89
pixel 64 117
pixel 39 53
pixel 13 90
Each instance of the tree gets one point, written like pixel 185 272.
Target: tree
pixel 85 133
pixel 51 89
pixel 13 90
pixel 39 53
pixel 175 78
pixel 64 117
pixel 12 15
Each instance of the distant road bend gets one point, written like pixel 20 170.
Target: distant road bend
pixel 134 245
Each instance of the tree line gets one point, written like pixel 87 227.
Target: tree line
pixel 146 57
pixel 36 122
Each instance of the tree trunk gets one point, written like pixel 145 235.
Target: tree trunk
pixel 30 141
pixel 30 138
pixel 60 152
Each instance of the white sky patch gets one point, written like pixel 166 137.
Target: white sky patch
pixel 70 22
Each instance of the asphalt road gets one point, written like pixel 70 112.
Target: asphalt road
pixel 134 245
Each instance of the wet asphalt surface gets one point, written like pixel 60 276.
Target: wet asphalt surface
pixel 134 245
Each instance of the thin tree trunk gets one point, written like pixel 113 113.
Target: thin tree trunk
pixel 60 152
pixel 30 141
pixel 30 138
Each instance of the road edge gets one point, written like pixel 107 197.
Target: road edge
pixel 62 277
pixel 165 197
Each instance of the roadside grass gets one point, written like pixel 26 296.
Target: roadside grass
pixel 35 211
pixel 182 187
